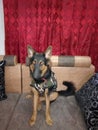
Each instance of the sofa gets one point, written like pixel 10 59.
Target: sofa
pixel 16 109
pixel 12 74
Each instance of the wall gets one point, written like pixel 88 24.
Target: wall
pixel 2 35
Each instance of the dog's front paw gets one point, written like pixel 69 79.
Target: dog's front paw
pixel 32 121
pixel 49 121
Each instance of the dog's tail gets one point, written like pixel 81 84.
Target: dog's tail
pixel 70 89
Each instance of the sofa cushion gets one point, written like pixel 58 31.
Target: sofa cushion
pixel 87 98
pixel 13 79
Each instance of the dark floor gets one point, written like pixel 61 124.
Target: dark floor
pixel 16 111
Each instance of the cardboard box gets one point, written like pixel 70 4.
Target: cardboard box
pixel 77 75
pixel 13 78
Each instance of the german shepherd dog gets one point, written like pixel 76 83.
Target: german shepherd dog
pixel 43 82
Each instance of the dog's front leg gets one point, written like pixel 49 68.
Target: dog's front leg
pixel 35 105
pixel 48 118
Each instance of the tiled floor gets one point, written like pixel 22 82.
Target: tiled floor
pixel 16 111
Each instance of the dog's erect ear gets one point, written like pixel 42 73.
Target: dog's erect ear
pixel 30 51
pixel 48 52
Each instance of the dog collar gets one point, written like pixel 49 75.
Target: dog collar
pixel 50 83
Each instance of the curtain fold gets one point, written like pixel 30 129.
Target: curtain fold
pixel 2 32
pixel 70 26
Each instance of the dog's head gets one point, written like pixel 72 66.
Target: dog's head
pixel 40 63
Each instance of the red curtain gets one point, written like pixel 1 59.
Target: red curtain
pixel 70 26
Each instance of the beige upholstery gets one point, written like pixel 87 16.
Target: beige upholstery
pixel 17 77
pixel 13 78
pixel 77 75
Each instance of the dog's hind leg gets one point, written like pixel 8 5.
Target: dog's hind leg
pixel 35 107
pixel 28 96
pixel 53 96
pixel 48 118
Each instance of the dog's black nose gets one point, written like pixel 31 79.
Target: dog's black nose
pixel 36 77
pixel 36 73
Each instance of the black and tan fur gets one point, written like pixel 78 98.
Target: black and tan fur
pixel 39 66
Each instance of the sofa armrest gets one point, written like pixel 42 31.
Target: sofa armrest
pixel 13 78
